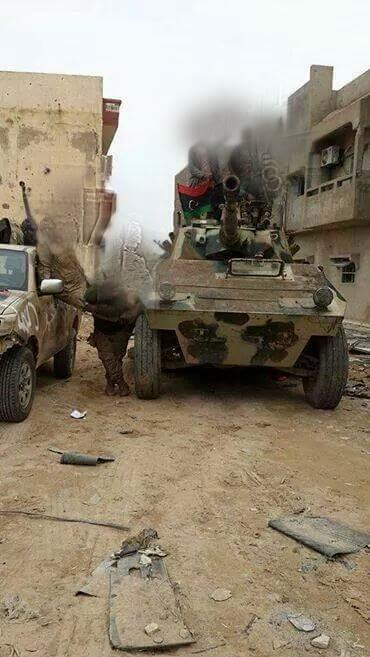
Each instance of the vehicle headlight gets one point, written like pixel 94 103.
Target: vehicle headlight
pixel 323 297
pixel 166 291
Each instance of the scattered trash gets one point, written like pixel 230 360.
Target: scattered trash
pixel 360 347
pixel 141 542
pixel 74 458
pixel 125 432
pixel 254 477
pixel 250 624
pixel 322 534
pixel 14 608
pixel 151 629
pixel 220 595
pixel 301 623
pixel 77 415
pixel 321 641
pixel 138 593
pixel 145 560
pixel 357 389
pixel 97 584
pixel 155 551
pixel 308 567
pixel 279 643
pixel 43 516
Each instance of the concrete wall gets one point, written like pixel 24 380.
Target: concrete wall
pixel 353 242
pixel 51 138
pixel 331 218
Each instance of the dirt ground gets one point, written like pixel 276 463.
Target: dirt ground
pixel 207 465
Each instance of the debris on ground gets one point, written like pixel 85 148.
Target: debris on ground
pixel 44 516
pixel 13 608
pixel 151 628
pixel 133 600
pixel 145 560
pixel 141 541
pixel 220 595
pixel 155 551
pixel 321 641
pixel 358 384
pixel 322 534
pixel 74 458
pixel 97 584
pixel 250 624
pixel 301 623
pixel 358 389
pixel 150 594
pixel 77 415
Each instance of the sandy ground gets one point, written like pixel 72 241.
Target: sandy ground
pixel 207 465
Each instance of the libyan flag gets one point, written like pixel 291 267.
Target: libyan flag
pixel 195 201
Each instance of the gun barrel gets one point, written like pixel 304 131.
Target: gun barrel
pixel 229 234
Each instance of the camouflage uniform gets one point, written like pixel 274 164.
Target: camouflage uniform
pixel 111 339
pixel 115 312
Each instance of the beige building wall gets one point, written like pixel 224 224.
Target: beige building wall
pixel 328 207
pixel 353 243
pixel 51 136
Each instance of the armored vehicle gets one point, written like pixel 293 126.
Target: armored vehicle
pixel 34 326
pixel 230 294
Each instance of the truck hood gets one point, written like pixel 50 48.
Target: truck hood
pixel 9 300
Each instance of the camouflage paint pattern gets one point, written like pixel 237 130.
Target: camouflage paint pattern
pixel 28 317
pixel 225 319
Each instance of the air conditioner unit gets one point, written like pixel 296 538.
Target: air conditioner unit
pixel 330 156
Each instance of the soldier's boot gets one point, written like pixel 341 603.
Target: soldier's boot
pixel 110 389
pixel 123 389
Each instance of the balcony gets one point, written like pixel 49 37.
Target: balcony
pixel 341 202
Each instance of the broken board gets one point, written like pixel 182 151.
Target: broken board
pixel 141 595
pixel 322 534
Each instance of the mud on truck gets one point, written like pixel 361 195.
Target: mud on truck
pixel 34 326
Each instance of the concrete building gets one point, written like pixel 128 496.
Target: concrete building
pixel 55 133
pixel 328 199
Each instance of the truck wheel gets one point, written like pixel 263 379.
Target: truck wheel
pixel 17 384
pixel 147 360
pixel 325 389
pixel 64 361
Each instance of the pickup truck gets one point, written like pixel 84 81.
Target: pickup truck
pixel 34 326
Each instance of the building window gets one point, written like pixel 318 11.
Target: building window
pixel 349 273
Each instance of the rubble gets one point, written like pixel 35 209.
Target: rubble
pixel 321 641
pixel 301 623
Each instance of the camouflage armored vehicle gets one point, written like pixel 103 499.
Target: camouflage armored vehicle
pixel 230 294
pixel 34 326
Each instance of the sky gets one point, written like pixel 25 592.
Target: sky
pixel 169 60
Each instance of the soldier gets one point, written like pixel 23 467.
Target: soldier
pixel 115 312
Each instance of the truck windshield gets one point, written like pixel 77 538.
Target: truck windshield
pixel 13 270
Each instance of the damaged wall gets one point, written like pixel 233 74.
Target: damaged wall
pixel 51 137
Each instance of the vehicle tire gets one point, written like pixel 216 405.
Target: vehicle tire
pixel 17 384
pixel 64 361
pixel 325 389
pixel 147 360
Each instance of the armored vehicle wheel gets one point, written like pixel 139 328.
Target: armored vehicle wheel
pixel 17 384
pixel 325 389
pixel 64 361
pixel 147 360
